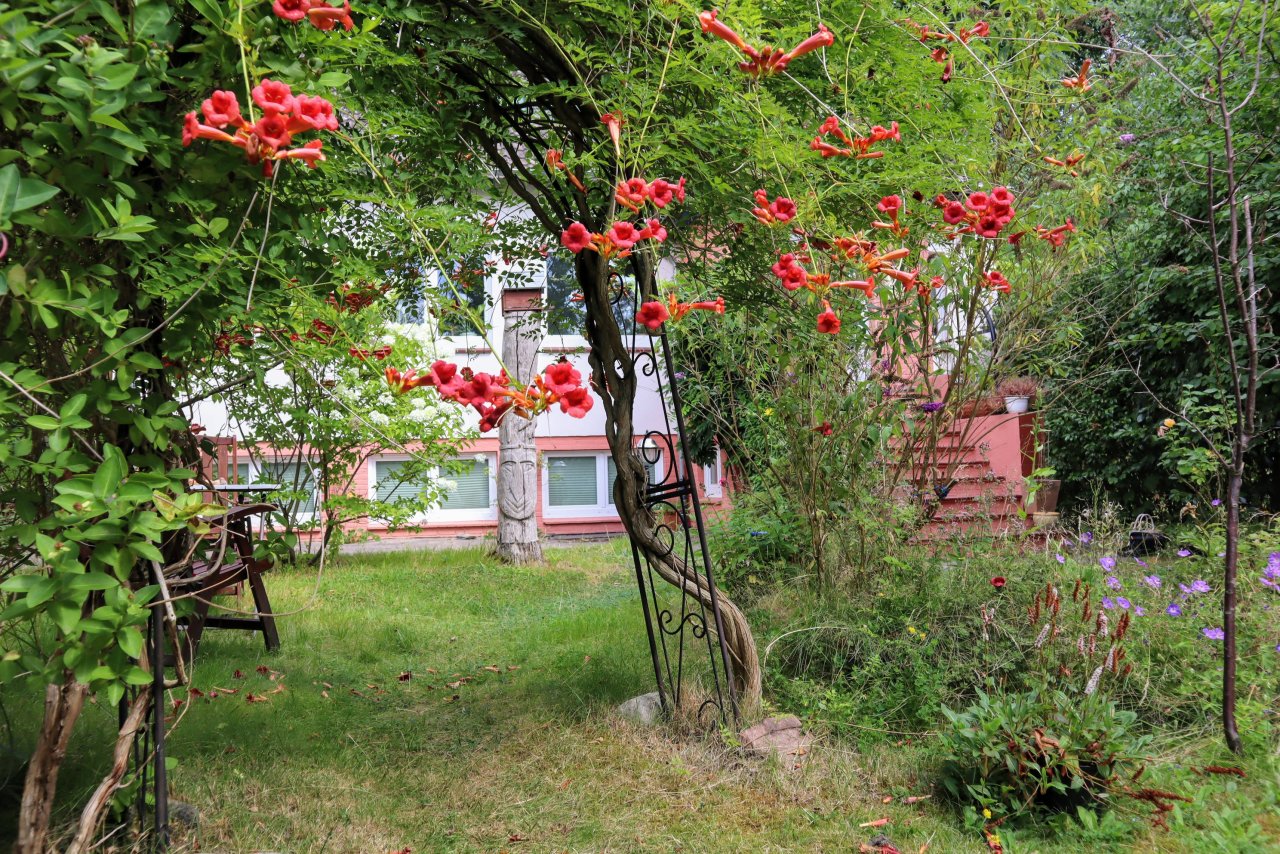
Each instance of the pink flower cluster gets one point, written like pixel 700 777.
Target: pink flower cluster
pixel 321 15
pixel 768 212
pixel 492 396
pixel 266 140
pixel 983 214
pixel 622 236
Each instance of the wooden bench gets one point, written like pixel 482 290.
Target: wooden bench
pixel 233 564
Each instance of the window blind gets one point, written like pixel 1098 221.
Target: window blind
pixel 651 468
pixel 391 484
pixel 571 482
pixel 292 478
pixel 472 492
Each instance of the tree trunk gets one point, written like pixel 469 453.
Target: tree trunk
pixel 517 452
pixel 91 817
pixel 614 378
pixel 62 706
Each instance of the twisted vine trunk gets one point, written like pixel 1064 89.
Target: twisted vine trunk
pixel 62 706
pixel 614 375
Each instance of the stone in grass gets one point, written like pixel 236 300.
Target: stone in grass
pixel 783 737
pixel 645 709
pixel 183 814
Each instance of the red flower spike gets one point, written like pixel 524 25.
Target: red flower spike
pixel 576 238
pixel 654 230
pixel 193 130
pixel 313 113
pixel 632 193
pixel 824 429
pixel 291 10
pixel 613 122
pixel 325 17
pixel 822 38
pixel 710 25
pixel 274 97
pixel 576 403
pixel 562 377
pixel 828 322
pixel 623 234
pixel 221 109
pixel 309 153
pixel 652 315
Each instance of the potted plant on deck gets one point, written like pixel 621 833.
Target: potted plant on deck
pixel 1017 393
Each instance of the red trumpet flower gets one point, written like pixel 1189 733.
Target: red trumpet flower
pixel 828 322
pixel 652 315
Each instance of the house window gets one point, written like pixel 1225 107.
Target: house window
pixel 565 314
pixel 455 300
pixel 472 490
pixel 472 498
pixel 573 481
pixel 654 469
pixel 712 475
pixel 581 484
pixel 297 488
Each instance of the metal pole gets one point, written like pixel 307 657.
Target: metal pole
pixel 157 727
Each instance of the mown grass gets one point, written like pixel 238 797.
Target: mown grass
pixel 523 752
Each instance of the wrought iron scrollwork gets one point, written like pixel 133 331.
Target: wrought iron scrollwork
pixel 686 634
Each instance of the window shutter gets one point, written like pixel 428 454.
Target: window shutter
pixel 473 487
pixel 571 481
pixel 244 473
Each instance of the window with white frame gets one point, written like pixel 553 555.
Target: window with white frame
pixel 581 483
pixel 653 467
pixel 713 477
pixel 471 493
pixel 295 481
pixel 454 299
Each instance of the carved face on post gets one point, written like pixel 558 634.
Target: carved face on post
pixel 519 500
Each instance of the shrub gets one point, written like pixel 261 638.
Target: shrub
pixel 1017 753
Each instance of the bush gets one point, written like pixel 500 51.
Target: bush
pixel 1017 753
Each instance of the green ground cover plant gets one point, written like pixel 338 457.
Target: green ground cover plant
pixel 440 701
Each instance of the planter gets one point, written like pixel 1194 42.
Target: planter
pixel 1044 520
pixel 1017 405
pixel 980 407
pixel 1046 497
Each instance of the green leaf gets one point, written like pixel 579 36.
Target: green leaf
pixel 334 79
pixel 110 472
pixel 19 194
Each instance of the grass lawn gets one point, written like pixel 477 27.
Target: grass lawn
pixel 503 737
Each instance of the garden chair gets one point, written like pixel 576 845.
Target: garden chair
pixel 233 564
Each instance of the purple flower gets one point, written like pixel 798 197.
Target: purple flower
pixel 1108 602
pixel 1108 563
pixel 1217 502
pixel 1199 586
pixel 1126 138
pixel 679 375
pixel 1139 561
pixel 1186 591
pixel 1222 554
pixel 1273 562
pixel 1123 602
pixel 932 406
pixel 1086 538
pixel 1173 610
pixel 1184 553
pixel 1278 647
pixel 1139 610
pixel 1213 634
pixel 1061 559
pixel 1153 581
pixel 1113 582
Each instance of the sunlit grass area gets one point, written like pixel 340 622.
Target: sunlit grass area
pixel 439 701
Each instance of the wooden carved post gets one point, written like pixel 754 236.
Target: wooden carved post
pixel 518 455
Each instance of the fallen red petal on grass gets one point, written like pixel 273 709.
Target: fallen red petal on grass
pixel 916 799
pixel 262 669
pixel 405 676
pixel 880 822
pixel 237 675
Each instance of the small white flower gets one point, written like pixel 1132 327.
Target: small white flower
pixel 448 485
pixel 481 458
pixel 379 418
pixel 1093 682
pixel 1044 636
